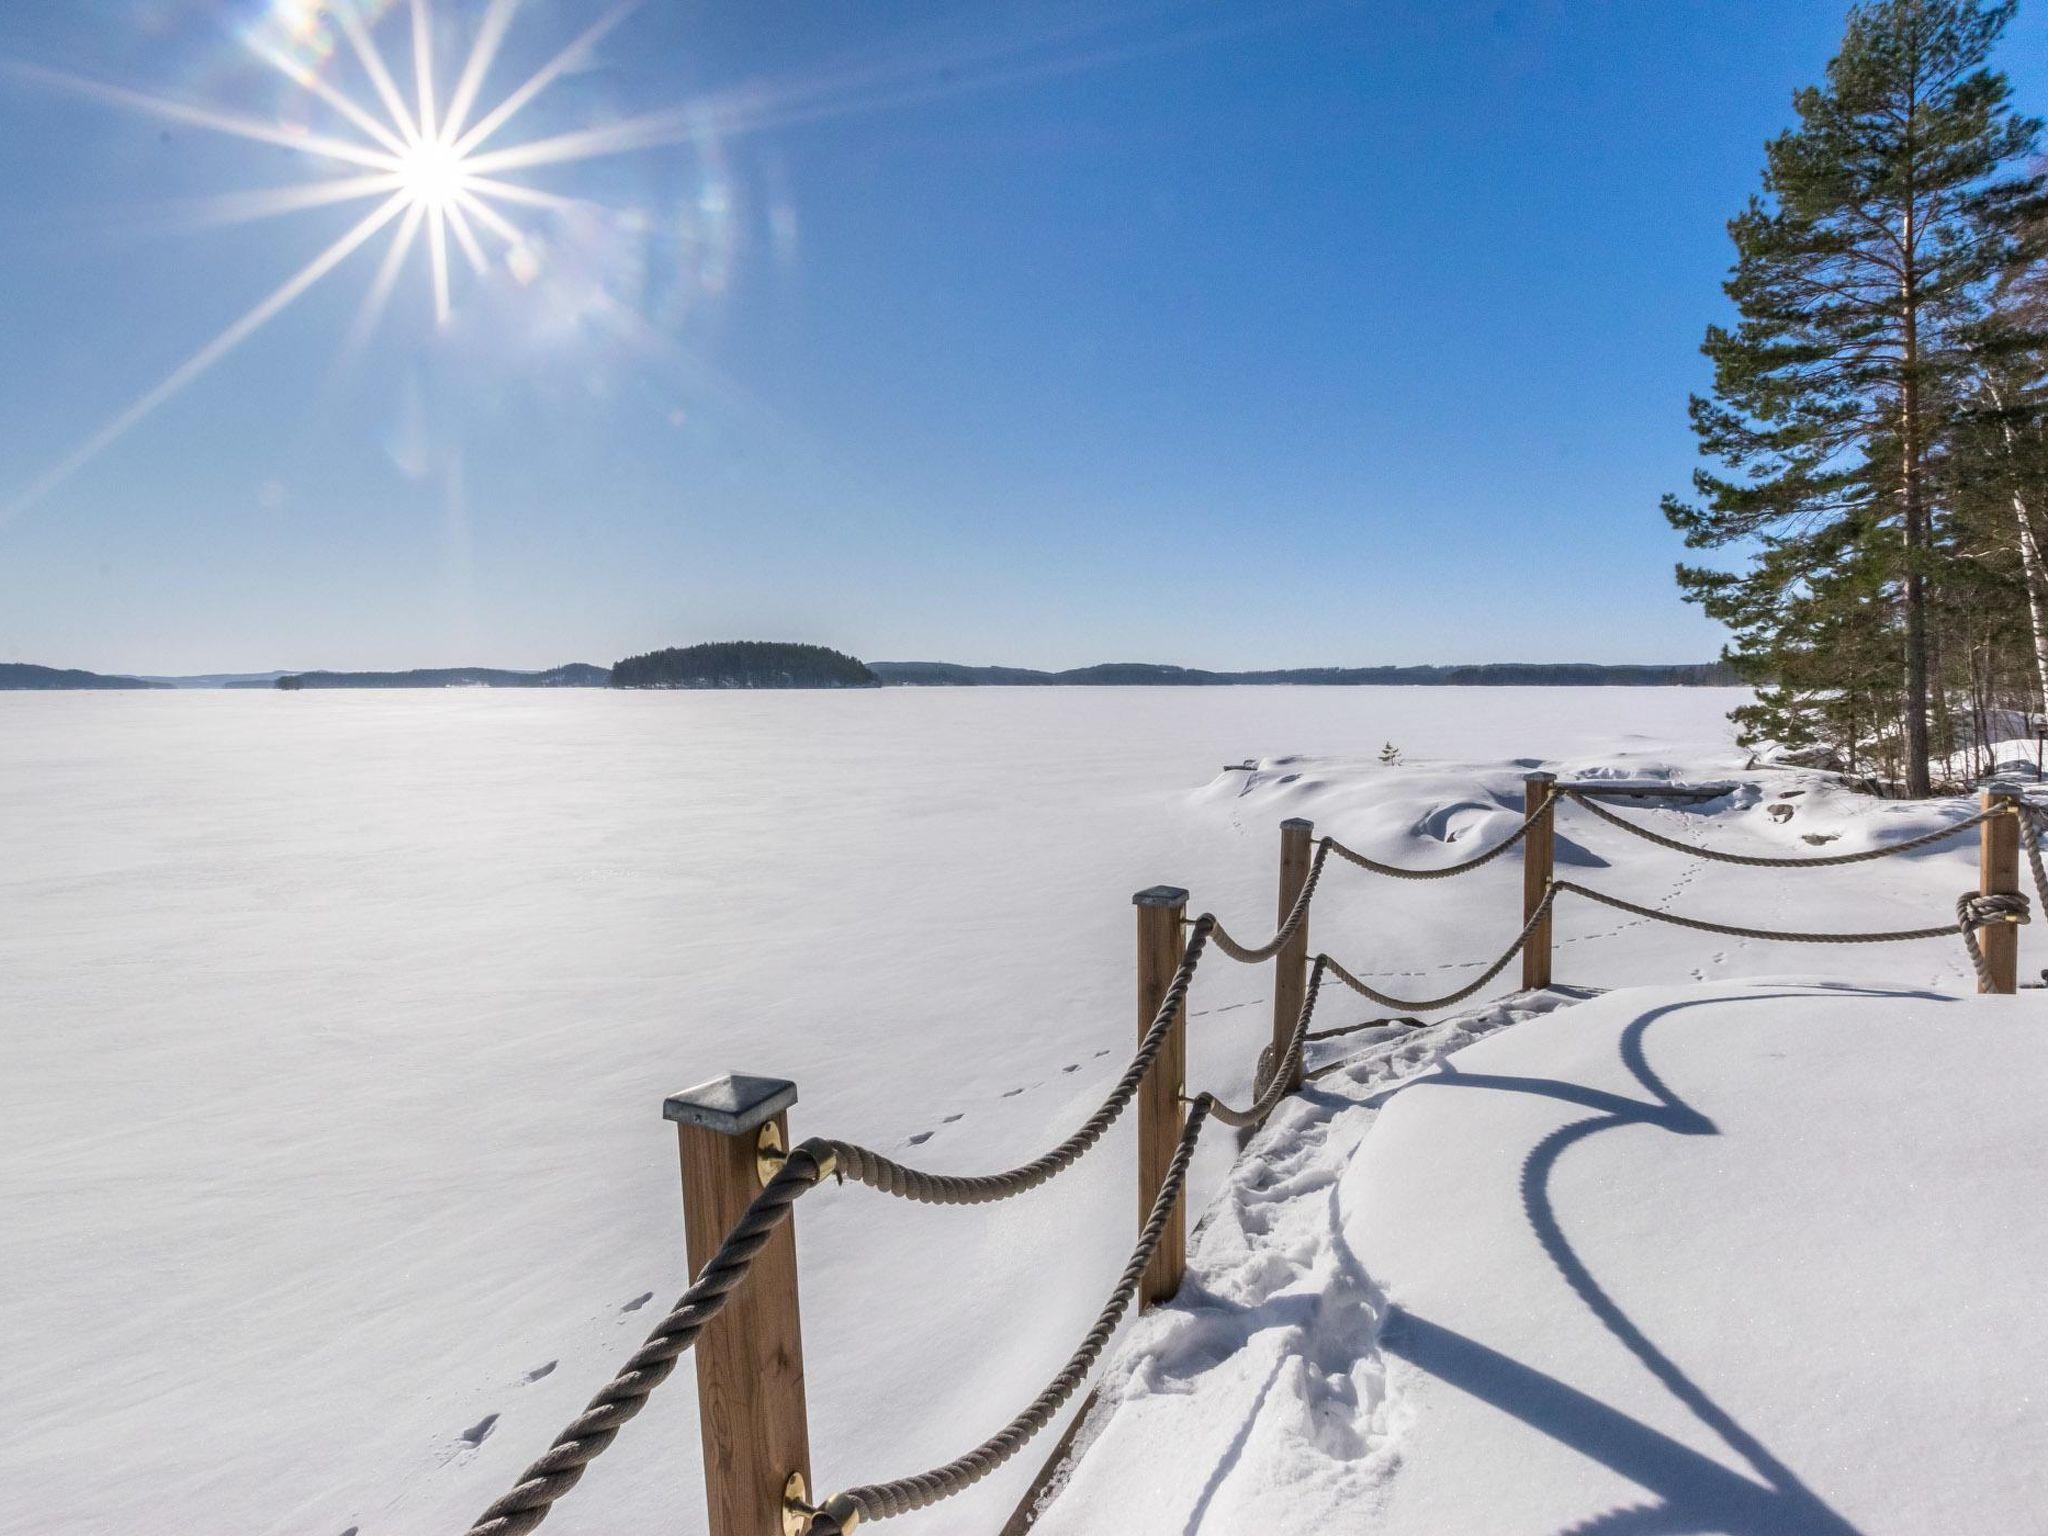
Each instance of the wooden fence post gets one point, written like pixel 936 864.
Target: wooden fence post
pixel 1539 864
pixel 1998 873
pixel 1160 1113
pixel 750 1358
pixel 1290 966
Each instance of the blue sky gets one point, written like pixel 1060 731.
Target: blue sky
pixel 1241 335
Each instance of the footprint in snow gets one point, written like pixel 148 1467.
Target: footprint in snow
pixel 921 1138
pixel 1100 1054
pixel 1071 1067
pixel 542 1370
pixel 949 1119
pixel 638 1302
pixel 480 1431
pixel 1013 1093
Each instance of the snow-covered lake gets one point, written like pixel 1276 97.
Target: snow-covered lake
pixel 338 1026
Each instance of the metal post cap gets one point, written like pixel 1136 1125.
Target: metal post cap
pixel 731 1105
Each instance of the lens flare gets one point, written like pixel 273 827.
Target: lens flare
pixel 419 162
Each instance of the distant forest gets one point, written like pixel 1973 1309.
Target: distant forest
pixel 743 664
pixel 20 675
pixel 761 664
pixel 946 674
pixel 577 674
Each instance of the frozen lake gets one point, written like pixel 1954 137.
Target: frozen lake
pixel 338 1025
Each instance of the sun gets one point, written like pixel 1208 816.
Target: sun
pixel 427 162
pixel 433 178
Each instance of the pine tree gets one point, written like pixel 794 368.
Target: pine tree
pixel 1858 276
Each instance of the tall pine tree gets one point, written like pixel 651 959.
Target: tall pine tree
pixel 1859 274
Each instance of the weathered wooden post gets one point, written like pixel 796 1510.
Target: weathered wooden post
pixel 1160 1114
pixel 1290 966
pixel 750 1358
pixel 1539 863
pixel 1998 874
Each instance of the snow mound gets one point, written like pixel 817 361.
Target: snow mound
pixel 1704 1259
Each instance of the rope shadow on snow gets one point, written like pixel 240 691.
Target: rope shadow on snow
pixel 1698 1493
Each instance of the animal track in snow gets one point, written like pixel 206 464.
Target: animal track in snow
pixel 638 1302
pixel 949 1119
pixel 921 1138
pixel 541 1370
pixel 480 1431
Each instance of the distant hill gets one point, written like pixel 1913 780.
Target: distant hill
pixel 946 674
pixel 21 675
pixel 763 664
pixel 576 674
pixel 218 679
pixel 743 664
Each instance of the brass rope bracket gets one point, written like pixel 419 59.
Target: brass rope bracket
pixel 798 1512
pixel 769 1156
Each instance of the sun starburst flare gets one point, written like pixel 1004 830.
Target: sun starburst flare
pixel 420 163
pixel 436 173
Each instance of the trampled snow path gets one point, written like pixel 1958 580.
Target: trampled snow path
pixel 1756 1257
pixel 332 1178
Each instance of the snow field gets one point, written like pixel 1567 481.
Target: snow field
pixel 330 1144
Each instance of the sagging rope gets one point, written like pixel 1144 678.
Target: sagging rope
pixel 1430 1005
pixel 866 1166
pixel 1398 872
pixel 1974 910
pixel 1296 915
pixel 1585 801
pixel 1325 846
pixel 876 1501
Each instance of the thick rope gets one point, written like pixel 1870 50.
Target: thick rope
pixel 878 1501
pixel 1273 1085
pixel 1398 872
pixel 555 1473
pixel 866 1166
pixel 1585 801
pixel 1253 954
pixel 1889 936
pixel 1430 1005
pixel 1975 909
pixel 2033 822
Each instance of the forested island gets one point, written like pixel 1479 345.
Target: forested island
pixel 743 664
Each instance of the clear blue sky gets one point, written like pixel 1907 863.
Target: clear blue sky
pixel 1226 335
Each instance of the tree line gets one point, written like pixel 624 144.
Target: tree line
pixel 1877 427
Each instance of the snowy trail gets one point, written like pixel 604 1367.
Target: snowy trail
pixel 339 1025
pixel 1667 1260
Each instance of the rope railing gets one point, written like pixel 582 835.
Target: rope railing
pixel 785 1178
pixel 1250 954
pixel 1586 802
pixel 1448 871
pixel 876 1501
pixel 866 1166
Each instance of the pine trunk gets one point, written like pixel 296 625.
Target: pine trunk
pixel 1914 510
